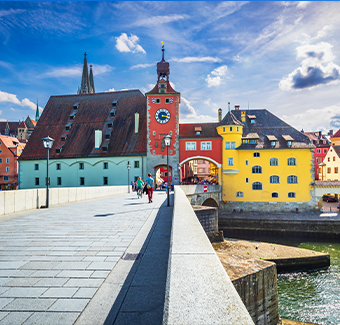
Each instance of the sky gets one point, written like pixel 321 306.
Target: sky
pixel 279 56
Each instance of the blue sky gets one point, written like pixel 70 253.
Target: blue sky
pixel 282 56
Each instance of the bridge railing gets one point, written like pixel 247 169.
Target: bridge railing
pixel 199 290
pixel 21 200
pixel 196 189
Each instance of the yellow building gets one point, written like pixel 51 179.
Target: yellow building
pixel 267 164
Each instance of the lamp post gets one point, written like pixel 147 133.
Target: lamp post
pixel 128 168
pixel 48 143
pixel 167 142
pixel 322 166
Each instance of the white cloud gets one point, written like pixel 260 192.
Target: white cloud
pixel 188 113
pixel 125 43
pixel 11 98
pixel 303 4
pixel 191 59
pixel 111 89
pixel 215 77
pixel 75 71
pixel 142 66
pixel 313 72
pixel 159 20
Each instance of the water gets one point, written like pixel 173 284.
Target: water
pixel 312 296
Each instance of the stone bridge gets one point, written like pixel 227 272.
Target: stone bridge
pixel 207 195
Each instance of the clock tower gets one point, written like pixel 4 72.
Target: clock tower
pixel 162 119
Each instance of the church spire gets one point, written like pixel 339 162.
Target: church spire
pixel 87 84
pixel 37 112
pixel 163 67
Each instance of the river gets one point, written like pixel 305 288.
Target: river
pixel 312 296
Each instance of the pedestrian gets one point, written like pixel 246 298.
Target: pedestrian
pixel 140 187
pixel 150 186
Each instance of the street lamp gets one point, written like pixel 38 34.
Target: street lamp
pixel 167 142
pixel 322 166
pixel 48 143
pixel 128 168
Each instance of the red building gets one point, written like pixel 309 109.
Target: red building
pixel 321 148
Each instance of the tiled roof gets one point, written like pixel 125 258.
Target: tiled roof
pixel 169 89
pixel 230 119
pixel 208 130
pixel 336 134
pixel 13 127
pixel 337 150
pixel 22 125
pixel 267 124
pixel 93 113
pixel 9 142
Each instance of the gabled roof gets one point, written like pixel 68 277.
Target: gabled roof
pixel 9 142
pixel 267 124
pixel 93 113
pixel 337 150
pixel 336 134
pixel 169 89
pixel 208 130
pixel 230 119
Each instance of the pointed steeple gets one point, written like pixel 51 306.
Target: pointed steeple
pixel 163 67
pixel 37 112
pixel 91 83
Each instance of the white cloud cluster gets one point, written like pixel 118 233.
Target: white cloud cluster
pixel 125 43
pixel 316 68
pixel 188 113
pixel 11 98
pixel 215 77
pixel 159 20
pixel 191 59
pixel 75 71
pixel 142 66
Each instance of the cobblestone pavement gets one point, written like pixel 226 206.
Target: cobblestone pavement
pixel 53 261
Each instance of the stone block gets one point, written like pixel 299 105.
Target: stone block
pixel 2 202
pixel 72 194
pixel 54 196
pixel 19 200
pixel 9 201
pixel 63 195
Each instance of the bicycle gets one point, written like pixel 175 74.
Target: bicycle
pixel 139 193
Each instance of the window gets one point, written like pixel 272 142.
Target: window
pixel 274 179
pixel 334 158
pixel 275 194
pixel 292 179
pixel 252 121
pixel 0 160
pixel 36 181
pixel 324 150
pixel 58 181
pixel 318 160
pixel 224 129
pixel 5 178
pixel 137 164
pixel 256 154
pixel 36 166
pixel 105 165
pixel 190 146
pixel 81 165
pixel 256 170
pixel 230 145
pixel 289 143
pixel 329 158
pixel 8 160
pixel 273 143
pixel 247 162
pixel 82 181
pixel 291 195
pixel 239 194
pixel 257 186
pixel 247 180
pixel 230 161
pixel 156 100
pixel 273 162
pixel 105 180
pixel 206 145
pixel 335 170
pixel 7 169
pixel 0 151
pixel 318 150
pixel 58 166
pixel 329 170
pixel 291 161
pixel 153 132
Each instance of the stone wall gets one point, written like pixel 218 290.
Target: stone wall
pixel 255 281
pixel 21 200
pixel 208 217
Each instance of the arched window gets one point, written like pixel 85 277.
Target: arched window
pixel 274 179
pixel 292 179
pixel 291 161
pixel 273 162
pixel 257 186
pixel 275 194
pixel 239 194
pixel 256 169
pixel 291 195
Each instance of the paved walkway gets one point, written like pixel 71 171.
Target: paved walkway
pixel 102 261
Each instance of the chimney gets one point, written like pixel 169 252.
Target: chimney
pixel 219 114
pixel 243 116
pixel 330 133
pixel 320 134
pixel 136 122
pixel 98 137
pixel 237 107
pixel 228 107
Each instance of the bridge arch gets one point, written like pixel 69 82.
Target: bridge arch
pixel 210 202
pixel 202 158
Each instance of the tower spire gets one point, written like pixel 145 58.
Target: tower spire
pixel 163 67
pixel 37 112
pixel 87 84
pixel 91 83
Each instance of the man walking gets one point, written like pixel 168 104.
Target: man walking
pixel 150 186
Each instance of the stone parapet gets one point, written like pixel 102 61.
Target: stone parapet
pixel 208 217
pixel 199 290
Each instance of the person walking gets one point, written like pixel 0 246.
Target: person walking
pixel 150 186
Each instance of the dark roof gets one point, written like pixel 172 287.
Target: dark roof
pixel 13 127
pixel 337 150
pixel 267 124
pixel 169 89
pixel 336 134
pixel 187 131
pixel 93 113
pixel 230 119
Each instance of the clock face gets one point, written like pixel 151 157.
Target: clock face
pixel 162 116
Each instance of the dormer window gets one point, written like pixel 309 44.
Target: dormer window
pixel 63 137
pixel 252 119
pixel 58 150
pixel 114 103
pixel 113 112
pixel 289 140
pixel 105 148
pixel 107 135
pixel 198 130
pixel 72 116
pixel 75 105
pixel 68 126
pixel 272 140
pixel 109 125
pixel 289 143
